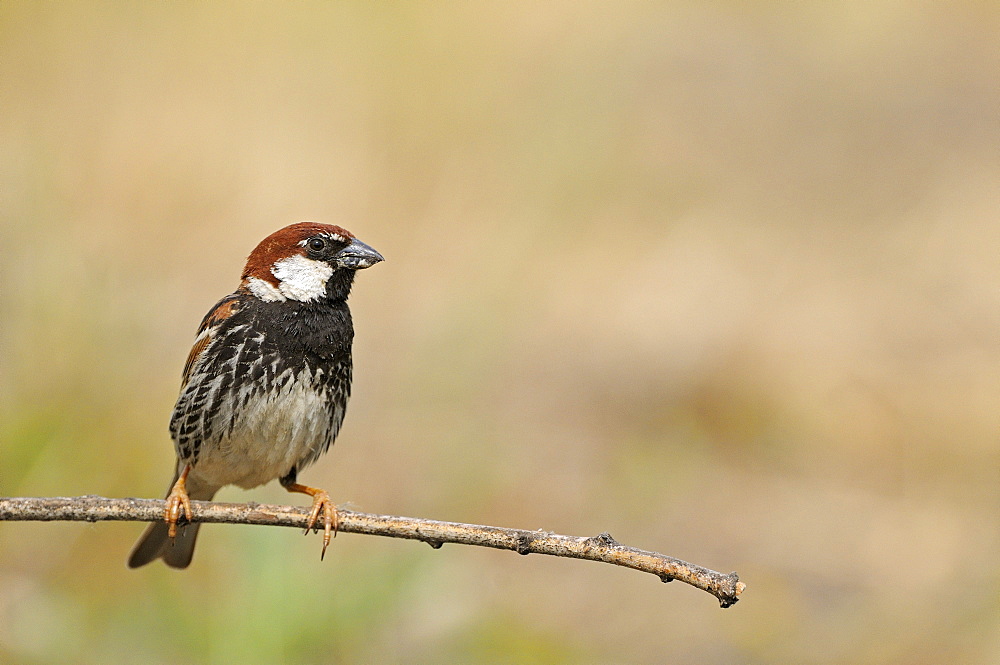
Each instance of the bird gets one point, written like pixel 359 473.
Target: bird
pixel 265 386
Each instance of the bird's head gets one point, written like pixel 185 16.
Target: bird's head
pixel 306 262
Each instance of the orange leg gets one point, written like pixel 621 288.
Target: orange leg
pixel 177 500
pixel 321 504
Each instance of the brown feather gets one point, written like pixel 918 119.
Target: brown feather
pixel 277 246
pixel 219 313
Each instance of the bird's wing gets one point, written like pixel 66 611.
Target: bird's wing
pixel 192 418
pixel 222 310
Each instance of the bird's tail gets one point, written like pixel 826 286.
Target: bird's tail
pixel 155 544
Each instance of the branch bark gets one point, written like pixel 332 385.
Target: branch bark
pixel 726 587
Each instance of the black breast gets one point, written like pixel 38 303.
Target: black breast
pixel 317 333
pixel 252 352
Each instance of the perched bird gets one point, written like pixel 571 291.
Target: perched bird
pixel 266 385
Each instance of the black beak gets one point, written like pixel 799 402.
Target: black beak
pixel 357 255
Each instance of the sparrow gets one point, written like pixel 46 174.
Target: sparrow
pixel 266 385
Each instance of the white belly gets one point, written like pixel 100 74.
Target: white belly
pixel 270 435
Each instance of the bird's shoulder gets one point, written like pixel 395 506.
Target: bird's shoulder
pixel 220 313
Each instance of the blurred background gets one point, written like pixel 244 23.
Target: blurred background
pixel 718 278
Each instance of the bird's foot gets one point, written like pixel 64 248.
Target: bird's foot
pixel 177 502
pixel 331 519
pixel 321 505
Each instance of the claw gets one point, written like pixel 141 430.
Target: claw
pixel 321 505
pixel 177 502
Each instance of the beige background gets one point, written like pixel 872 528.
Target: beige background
pixel 719 278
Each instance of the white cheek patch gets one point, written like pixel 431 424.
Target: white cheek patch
pixel 300 278
pixel 264 290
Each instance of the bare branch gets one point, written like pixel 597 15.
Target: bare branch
pixel 727 588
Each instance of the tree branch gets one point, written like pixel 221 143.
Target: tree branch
pixel 727 588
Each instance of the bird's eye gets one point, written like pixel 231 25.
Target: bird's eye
pixel 317 244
